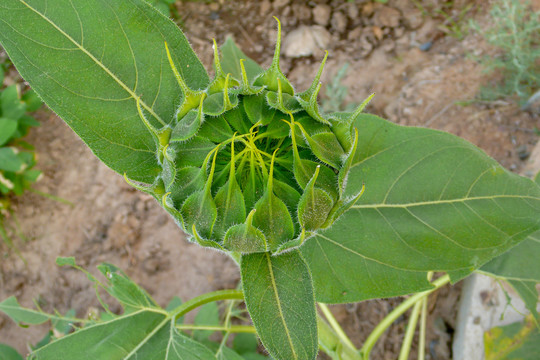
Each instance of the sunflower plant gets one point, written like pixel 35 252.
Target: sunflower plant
pixel 313 207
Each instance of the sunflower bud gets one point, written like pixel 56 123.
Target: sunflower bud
pixel 253 166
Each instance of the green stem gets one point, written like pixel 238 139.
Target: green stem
pixel 331 344
pixel 226 327
pixel 422 342
pixel 18 228
pixel 409 334
pixel 336 327
pixel 230 329
pixel 396 313
pixel 206 298
pixel 52 197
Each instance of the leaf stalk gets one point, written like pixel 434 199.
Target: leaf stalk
pixel 396 313
pixel 206 298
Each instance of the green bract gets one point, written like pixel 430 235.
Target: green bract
pixel 250 165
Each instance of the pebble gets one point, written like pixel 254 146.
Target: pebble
pixel 388 45
pixel 286 12
pixel 426 46
pixel 387 17
pixel 352 11
pixel 399 32
pixel 522 152
pixel 368 9
pixel 366 46
pixel 378 32
pixel 339 22
pixel 355 33
pixel 413 19
pixel 321 14
pixel 301 12
pixel 427 31
pixel 265 8
pixel 280 3
pixel 305 41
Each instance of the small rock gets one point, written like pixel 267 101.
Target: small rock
pixel 378 32
pixel 387 17
pixel 321 14
pixel 280 3
pixel 305 41
pixel 399 32
pixel 413 19
pixel 388 45
pixel 352 11
pixel 301 12
pixel 265 8
pixel 366 46
pixel 427 32
pixel 523 153
pixel 355 33
pixel 368 9
pixel 214 6
pixel 339 22
pixel 412 16
pixel 286 12
pixel 426 46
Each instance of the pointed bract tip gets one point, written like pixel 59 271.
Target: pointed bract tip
pixel 317 79
pixel 145 189
pixel 185 89
pixel 362 106
pixel 164 199
pixel 249 218
pixel 277 51
pixel 151 128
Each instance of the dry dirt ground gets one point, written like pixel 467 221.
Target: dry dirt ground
pixel 111 222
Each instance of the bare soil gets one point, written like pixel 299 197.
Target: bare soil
pixel 112 222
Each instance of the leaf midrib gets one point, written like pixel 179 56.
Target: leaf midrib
pixel 438 202
pixel 278 302
pixel 95 60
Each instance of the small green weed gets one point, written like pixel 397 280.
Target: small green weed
pixel 336 93
pixel 514 31
pixel 453 19
pixel 17 157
